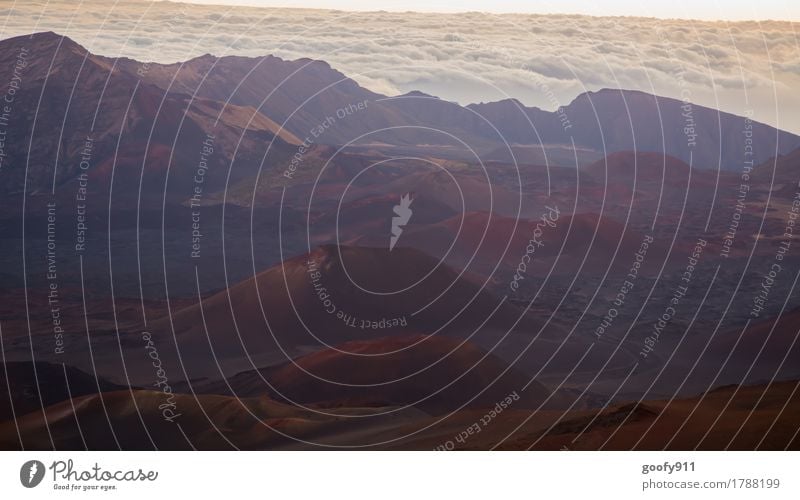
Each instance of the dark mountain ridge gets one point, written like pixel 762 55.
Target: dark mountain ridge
pixel 259 109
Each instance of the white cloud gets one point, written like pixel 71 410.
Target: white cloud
pixel 464 57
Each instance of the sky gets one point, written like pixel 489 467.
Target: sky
pixel 733 10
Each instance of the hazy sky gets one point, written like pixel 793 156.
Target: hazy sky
pixel 694 9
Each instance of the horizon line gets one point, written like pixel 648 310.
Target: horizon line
pixel 793 17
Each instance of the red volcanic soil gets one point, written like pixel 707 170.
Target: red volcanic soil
pixel 575 232
pixel 652 181
pixel 659 190
pixel 432 373
pixel 682 424
pixel 127 164
pixel 766 415
pixel 31 386
pixel 487 236
pixel 371 219
pixel 138 423
pixel 402 291
pixel 647 167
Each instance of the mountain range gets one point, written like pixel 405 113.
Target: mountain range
pixel 259 109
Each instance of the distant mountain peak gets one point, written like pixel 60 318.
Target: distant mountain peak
pixel 418 93
pixel 504 103
pixel 43 40
pixel 613 93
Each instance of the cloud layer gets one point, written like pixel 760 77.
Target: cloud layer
pixel 543 61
